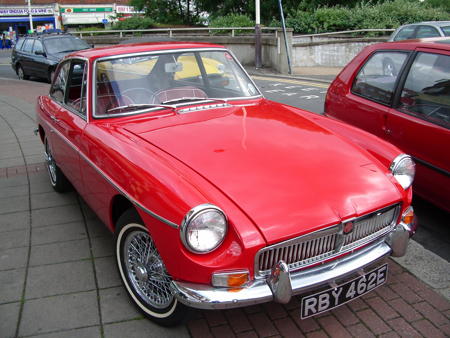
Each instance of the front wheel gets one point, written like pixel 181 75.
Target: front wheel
pixel 143 272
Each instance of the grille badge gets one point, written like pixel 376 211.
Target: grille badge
pixel 348 228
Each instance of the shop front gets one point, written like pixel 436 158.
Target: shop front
pixel 15 21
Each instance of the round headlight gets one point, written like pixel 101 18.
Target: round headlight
pixel 203 228
pixel 403 169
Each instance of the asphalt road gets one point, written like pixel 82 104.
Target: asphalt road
pixel 434 230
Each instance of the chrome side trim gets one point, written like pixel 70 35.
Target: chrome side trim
pixel 203 296
pixel 111 181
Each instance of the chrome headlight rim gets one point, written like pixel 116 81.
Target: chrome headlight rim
pixel 395 166
pixel 190 216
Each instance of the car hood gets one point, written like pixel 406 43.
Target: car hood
pixel 287 173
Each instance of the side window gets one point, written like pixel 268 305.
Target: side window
pixel 28 45
pixel 38 47
pixel 426 92
pixel 376 79
pixel 446 30
pixel 405 33
pixel 19 44
pixel 426 32
pixel 76 89
pixel 58 89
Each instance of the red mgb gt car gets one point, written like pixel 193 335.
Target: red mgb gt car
pixel 218 197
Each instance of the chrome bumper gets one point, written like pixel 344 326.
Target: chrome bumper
pixel 281 285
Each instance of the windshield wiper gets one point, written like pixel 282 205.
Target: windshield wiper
pixel 193 98
pixel 140 105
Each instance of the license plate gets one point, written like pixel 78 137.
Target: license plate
pixel 331 298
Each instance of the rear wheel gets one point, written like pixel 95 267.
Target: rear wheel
pixel 58 181
pixel 143 272
pixel 21 73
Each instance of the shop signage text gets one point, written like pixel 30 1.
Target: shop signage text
pixel 86 10
pixel 24 11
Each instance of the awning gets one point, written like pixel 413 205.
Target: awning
pixel 26 19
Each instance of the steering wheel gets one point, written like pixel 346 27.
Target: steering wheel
pixel 138 95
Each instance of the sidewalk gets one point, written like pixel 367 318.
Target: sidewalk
pixel 58 276
pixel 318 74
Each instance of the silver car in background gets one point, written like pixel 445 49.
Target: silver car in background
pixel 426 29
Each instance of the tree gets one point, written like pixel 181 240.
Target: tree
pixel 168 11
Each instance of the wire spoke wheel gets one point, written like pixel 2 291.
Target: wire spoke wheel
pixel 51 164
pixel 145 270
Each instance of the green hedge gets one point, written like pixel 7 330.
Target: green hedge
pixel 232 20
pixel 135 22
pixel 390 14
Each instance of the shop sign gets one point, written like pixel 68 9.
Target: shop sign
pixel 85 10
pixel 24 11
pixel 127 10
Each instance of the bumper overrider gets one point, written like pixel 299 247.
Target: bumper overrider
pixel 281 284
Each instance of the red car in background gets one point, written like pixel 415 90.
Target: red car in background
pixel 400 91
pixel 218 197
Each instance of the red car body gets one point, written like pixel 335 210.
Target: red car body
pixel 276 171
pixel 425 138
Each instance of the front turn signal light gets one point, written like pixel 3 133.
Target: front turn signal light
pixel 409 219
pixel 232 279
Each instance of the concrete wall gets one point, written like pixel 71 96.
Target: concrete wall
pixel 243 46
pixel 329 53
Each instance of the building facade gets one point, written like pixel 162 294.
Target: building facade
pixel 47 14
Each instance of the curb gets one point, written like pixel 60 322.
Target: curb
pixel 289 77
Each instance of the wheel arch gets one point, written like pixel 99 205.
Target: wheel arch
pixel 119 204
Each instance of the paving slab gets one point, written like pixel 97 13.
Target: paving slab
pixel 9 314
pixel 14 221
pixel 14 239
pixel 55 279
pixel 103 246
pixel 86 332
pixel 57 233
pixel 59 313
pixel 116 305
pixel 136 329
pixel 106 271
pixel 14 204
pixel 56 215
pixel 14 258
pixel 11 285
pixel 52 199
pixel 60 252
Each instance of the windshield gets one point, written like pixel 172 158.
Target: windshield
pixel 169 78
pixel 62 45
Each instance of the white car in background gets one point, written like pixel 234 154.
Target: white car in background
pixel 426 29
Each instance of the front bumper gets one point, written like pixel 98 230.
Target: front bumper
pixel 281 285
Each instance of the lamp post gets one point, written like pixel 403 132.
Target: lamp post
pixel 30 16
pixel 258 63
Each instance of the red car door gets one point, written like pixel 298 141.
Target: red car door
pixel 368 101
pixel 69 120
pixel 420 124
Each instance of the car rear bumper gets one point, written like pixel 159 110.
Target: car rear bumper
pixel 281 285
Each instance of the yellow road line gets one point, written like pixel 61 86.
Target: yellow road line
pixel 297 82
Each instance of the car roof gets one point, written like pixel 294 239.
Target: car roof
pixel 133 48
pixel 435 43
pixel 431 23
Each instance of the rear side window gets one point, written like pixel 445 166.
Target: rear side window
pixel 426 92
pixel 427 32
pixel 405 33
pixel 376 79
pixel 38 47
pixel 446 30
pixel 28 45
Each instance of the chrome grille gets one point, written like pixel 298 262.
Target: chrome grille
pixel 324 244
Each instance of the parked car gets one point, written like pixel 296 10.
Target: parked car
pixel 420 30
pixel 218 197
pixel 38 55
pixel 409 107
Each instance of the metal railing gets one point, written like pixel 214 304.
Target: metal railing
pixel 232 31
pixel 341 34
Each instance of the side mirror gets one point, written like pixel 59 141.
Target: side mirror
pixel 39 52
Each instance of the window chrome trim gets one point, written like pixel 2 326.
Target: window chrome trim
pixel 158 52
pixel 111 181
